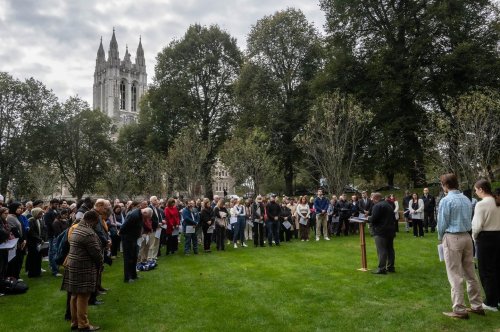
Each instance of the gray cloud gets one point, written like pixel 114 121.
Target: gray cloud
pixel 56 41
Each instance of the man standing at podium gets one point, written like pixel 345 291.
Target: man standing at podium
pixel 382 225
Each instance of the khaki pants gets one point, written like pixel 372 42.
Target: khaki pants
pixel 154 245
pixel 78 305
pixel 458 257
pixel 321 221
pixel 145 245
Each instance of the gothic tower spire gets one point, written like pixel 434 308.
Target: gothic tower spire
pixel 113 54
pixel 101 57
pixel 139 57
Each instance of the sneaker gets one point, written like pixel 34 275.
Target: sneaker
pixel 302 240
pixel 327 238
pixel 235 246
pixel 317 239
pixel 244 245
pixel 42 270
pixel 58 275
pixel 487 307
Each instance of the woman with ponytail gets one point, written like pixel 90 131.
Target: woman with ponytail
pixel 486 234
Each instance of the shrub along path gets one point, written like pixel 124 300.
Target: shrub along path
pixel 299 286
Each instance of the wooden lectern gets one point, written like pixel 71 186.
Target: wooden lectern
pixel 361 222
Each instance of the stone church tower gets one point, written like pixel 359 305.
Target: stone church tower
pixel 119 84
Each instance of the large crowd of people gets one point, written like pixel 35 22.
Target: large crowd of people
pixel 97 231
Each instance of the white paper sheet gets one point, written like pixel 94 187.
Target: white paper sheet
pixel 12 254
pixel 139 241
pixel 250 223
pixel 287 224
pixel 175 232
pixel 210 229
pixel 303 221
pixel 158 233
pixel 441 252
pixel 9 244
pixel 233 220
pixel 190 230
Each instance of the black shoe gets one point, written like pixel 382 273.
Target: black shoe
pixel 379 272
pixel 97 302
pixel 74 327
pixel 393 270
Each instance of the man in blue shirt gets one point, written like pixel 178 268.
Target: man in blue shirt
pixel 454 222
pixel 321 207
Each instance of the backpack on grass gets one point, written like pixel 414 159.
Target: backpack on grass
pixel 13 286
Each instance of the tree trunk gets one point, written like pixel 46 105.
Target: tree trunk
pixel 207 179
pixel 390 179
pixel 288 174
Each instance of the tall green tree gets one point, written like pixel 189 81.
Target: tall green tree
pixel 26 109
pixel 404 59
pixel 194 79
pixel 81 145
pixel 283 56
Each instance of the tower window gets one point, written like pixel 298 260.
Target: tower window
pixel 122 95
pixel 134 98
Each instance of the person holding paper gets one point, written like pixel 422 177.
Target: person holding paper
pixel 172 220
pixel 34 242
pixel 286 226
pixel 207 224
pixel 454 223
pixel 5 235
pixel 156 220
pixel 382 225
pixel 189 228
pixel 486 234
pixel 130 233
pixel 220 214
pixel 303 213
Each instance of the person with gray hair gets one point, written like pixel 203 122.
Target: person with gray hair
pixel 130 233
pixel 383 230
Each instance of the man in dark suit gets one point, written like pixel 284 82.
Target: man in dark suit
pixel 130 233
pixel 382 225
pixel 365 204
pixel 429 207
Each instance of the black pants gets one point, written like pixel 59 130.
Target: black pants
pixel 418 228
pixel 343 221
pixel 4 255
pixel 15 265
pixel 172 243
pixel 429 221
pixel 220 236
pixel 385 252
pixel 33 262
pixel 258 234
pixel 285 234
pixel 488 257
pixel 130 252
pixel 115 244
pixel 207 238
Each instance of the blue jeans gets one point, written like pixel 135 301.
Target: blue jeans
pixel 239 230
pixel 188 239
pixel 272 232
pixel 52 256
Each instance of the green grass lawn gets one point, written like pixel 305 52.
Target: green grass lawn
pixel 300 286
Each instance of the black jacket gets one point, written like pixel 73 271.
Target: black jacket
pixel 429 203
pixel 273 210
pixel 382 219
pixel 131 228
pixel 344 208
pixel 206 215
pixel 365 206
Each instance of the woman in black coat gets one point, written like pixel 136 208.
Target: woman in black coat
pixel 207 224
pixel 34 242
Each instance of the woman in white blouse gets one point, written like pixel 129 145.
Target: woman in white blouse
pixel 303 213
pixel 486 234
pixel 416 207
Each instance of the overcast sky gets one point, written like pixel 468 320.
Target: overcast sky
pixel 56 41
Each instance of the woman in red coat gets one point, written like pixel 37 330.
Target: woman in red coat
pixel 172 219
